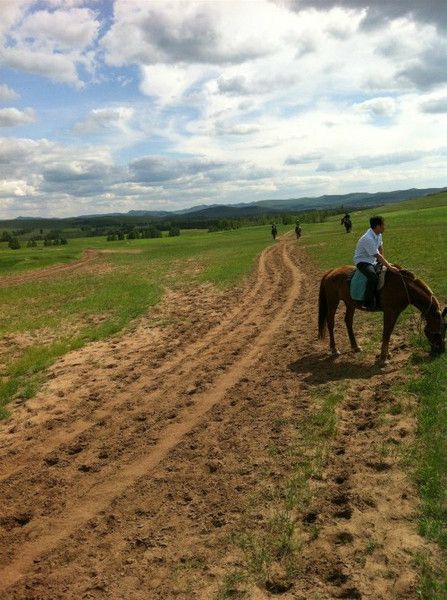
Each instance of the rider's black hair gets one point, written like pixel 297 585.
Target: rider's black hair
pixel 374 221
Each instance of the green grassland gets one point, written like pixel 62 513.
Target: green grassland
pixel 66 312
pixel 415 237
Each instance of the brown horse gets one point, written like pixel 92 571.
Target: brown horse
pixel 400 290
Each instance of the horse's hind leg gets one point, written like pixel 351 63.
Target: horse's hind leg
pixel 349 318
pixel 330 325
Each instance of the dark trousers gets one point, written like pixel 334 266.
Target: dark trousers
pixel 373 280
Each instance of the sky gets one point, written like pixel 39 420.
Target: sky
pixel 117 105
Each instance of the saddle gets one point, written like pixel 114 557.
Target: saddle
pixel 357 283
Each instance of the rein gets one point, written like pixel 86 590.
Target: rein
pixel 425 312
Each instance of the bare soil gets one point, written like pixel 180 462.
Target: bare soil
pixel 128 475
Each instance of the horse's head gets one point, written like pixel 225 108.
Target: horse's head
pixel 435 330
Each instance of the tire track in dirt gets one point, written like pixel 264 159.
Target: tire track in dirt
pixel 50 531
pixel 88 257
pixel 186 360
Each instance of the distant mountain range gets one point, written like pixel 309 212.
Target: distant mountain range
pixel 217 211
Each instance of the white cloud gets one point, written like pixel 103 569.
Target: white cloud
pixel 101 119
pixel 168 83
pixel 75 28
pixel 11 13
pixel 7 94
pixel 58 67
pixel 16 188
pixel 12 117
pixel 383 107
pixel 50 43
pixel 189 32
pixel 437 105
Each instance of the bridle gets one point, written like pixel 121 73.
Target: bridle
pixel 425 312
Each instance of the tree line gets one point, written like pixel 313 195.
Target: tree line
pixel 124 227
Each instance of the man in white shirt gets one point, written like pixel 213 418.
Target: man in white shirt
pixel 369 252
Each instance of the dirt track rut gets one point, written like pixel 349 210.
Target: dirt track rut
pixel 127 474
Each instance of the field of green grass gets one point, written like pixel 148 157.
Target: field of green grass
pixel 60 314
pixel 415 237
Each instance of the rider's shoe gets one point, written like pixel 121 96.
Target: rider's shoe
pixel 368 308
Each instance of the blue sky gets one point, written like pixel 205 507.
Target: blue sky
pixel 144 104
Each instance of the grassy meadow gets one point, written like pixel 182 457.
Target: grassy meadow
pixel 415 237
pixel 54 316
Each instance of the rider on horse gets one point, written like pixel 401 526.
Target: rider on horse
pixel 346 221
pixel 369 252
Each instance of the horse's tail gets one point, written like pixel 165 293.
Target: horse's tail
pixel 322 309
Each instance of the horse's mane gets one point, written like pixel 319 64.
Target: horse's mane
pixel 411 277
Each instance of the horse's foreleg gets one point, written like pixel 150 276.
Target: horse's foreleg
pixel 330 325
pixel 389 321
pixel 349 318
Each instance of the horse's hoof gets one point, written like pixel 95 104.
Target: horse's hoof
pixel 335 352
pixel 383 362
pixel 357 349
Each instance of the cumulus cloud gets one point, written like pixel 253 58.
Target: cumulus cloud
pixel 434 105
pixel 179 32
pixel 428 70
pixel 168 83
pixel 75 28
pixel 242 85
pixel 57 67
pixel 157 169
pixel 11 14
pixel 376 12
pixel 50 43
pixel 379 107
pixel 101 119
pixel 16 188
pixel 7 94
pixel 12 117
pixel 80 177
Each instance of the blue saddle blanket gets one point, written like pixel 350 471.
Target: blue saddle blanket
pixel 358 286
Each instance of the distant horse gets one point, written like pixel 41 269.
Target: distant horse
pixel 400 290
pixel 298 232
pixel 346 221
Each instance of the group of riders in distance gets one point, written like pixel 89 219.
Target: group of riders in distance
pixel 297 230
pixel 346 221
pixel 400 289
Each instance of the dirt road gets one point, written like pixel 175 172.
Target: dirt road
pixel 128 475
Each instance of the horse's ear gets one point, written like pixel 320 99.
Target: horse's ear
pixel 444 312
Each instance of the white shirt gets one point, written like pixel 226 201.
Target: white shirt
pixel 367 247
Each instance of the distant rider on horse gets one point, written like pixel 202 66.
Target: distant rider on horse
pixel 274 231
pixel 346 221
pixel 298 230
pixel 369 252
